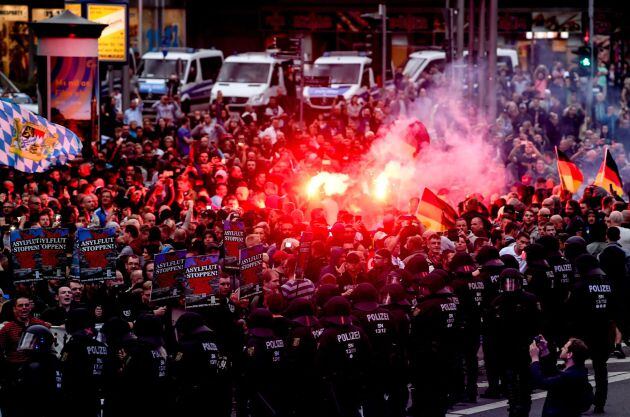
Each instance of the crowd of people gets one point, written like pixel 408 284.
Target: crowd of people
pixel 387 318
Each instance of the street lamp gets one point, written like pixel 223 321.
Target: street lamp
pixel 382 16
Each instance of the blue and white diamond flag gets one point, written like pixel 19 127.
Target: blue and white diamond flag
pixel 30 143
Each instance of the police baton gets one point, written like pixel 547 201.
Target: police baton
pixel 266 403
pixel 333 397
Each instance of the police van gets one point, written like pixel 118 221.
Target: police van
pixel 197 70
pixel 252 78
pixel 421 62
pixel 349 74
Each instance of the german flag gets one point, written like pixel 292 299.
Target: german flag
pixel 435 213
pixel 608 175
pixel 570 175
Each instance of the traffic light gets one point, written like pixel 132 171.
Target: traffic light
pixel 583 59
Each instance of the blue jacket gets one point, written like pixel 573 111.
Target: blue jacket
pixel 566 391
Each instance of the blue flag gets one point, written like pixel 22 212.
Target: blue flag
pixel 30 143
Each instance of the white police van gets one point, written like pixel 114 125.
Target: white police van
pixel 197 70
pixel 421 62
pixel 349 74
pixel 252 78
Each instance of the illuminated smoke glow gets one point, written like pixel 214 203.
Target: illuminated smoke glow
pixel 457 162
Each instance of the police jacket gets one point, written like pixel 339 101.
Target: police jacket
pixel 83 362
pixel 302 343
pixel 436 325
pixel 265 363
pixel 489 274
pixel 343 351
pixel 515 320
pixel 40 376
pixel 469 290
pixel 613 260
pixel 591 306
pixel 541 281
pixel 200 363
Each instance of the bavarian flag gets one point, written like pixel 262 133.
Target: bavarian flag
pixel 435 213
pixel 570 175
pixel 608 175
pixel 30 143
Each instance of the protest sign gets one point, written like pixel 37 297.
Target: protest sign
pixel 168 276
pixel 96 254
pixel 54 243
pixel 25 251
pixel 202 281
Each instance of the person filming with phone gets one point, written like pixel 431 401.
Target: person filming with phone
pixel 569 393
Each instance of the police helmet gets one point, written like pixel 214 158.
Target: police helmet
pixel 337 310
pixel 36 338
pixel 587 264
pixel 574 247
pixel 435 281
pixel 487 254
pixel 116 331
pixel 191 323
pixel 79 319
pixel 148 328
pixel 511 280
pixel 365 296
pixel 260 322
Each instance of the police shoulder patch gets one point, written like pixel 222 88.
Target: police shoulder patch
pixel 296 341
pixel 251 351
pixel 179 356
pixel 64 357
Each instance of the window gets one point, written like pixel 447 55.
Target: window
pixel 210 67
pixel 192 72
pixel 339 73
pixel 365 79
pixel 244 72
pixel 413 65
pixel 159 68
pixel 274 76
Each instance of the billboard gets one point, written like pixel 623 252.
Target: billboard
pixel 71 85
pixel 112 45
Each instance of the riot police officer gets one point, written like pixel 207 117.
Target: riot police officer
pixel 39 375
pixel 563 280
pixel 146 375
pixel 541 281
pixel 490 268
pixel 343 354
pixel 399 308
pixel 469 290
pixel 304 330
pixel 201 369
pixel 265 366
pixel 377 324
pixel 514 322
pixel 591 308
pixel 435 330
pixel 116 334
pixel 83 365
